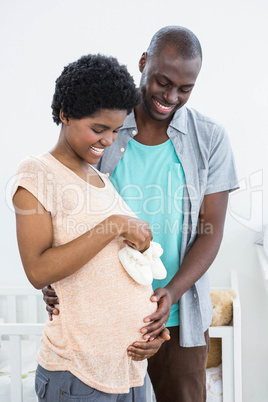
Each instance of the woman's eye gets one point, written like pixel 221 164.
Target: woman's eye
pixel 96 131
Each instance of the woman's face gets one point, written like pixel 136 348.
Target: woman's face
pixel 88 137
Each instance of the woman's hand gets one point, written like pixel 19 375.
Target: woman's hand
pixel 135 232
pixel 144 350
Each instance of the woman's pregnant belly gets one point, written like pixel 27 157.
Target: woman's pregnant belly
pixel 101 307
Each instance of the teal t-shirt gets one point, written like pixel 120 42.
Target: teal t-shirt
pixel 153 186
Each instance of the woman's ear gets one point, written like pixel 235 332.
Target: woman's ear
pixel 142 61
pixel 63 118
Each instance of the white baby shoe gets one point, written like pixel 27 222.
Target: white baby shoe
pixel 143 267
pixel 153 253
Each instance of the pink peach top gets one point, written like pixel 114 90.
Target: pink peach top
pixel 101 307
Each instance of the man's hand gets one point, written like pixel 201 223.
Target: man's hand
pixel 158 319
pixel 50 298
pixel 144 350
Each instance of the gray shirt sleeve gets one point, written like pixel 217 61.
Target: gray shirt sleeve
pixel 221 166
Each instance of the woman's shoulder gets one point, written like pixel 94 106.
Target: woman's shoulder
pixel 34 174
pixel 43 163
pixel 32 163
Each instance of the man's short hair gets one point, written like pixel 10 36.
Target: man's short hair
pixel 179 38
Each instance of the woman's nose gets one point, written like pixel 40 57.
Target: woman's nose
pixel 109 138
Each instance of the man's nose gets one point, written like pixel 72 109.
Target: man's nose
pixel 171 96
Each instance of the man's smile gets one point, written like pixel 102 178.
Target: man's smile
pixel 161 107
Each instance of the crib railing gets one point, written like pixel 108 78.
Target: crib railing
pixel 11 299
pixel 16 295
pixel 231 349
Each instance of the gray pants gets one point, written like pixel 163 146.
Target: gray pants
pixel 62 386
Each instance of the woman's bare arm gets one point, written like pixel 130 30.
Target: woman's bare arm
pixel 45 264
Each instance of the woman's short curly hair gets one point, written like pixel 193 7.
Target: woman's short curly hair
pixel 92 83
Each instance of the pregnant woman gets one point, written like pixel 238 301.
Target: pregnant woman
pixel 71 224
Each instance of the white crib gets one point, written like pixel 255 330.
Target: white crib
pixel 230 378
pixel 231 350
pixel 22 317
pixel 21 321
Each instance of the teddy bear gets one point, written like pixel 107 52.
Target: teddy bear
pixel 222 302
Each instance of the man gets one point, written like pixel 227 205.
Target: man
pixel 175 168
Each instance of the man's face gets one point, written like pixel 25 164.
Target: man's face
pixel 166 83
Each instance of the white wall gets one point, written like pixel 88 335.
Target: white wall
pixel 39 37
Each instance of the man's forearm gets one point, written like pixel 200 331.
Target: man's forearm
pixel 205 248
pixel 195 264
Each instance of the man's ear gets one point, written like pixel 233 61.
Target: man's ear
pixel 142 61
pixel 63 118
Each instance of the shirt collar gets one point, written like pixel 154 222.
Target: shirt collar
pixel 179 121
pixel 130 121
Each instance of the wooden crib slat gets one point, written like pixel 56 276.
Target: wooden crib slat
pixel 15 357
pixel 32 309
pixel 12 308
pixel 21 329
pixel 228 369
pixel 237 339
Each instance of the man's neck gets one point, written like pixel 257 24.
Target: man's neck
pixel 150 131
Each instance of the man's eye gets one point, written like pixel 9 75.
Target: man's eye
pixel 162 84
pixel 96 131
pixel 186 90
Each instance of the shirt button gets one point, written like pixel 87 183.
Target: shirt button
pixel 122 149
pixel 107 174
pixel 134 132
pixel 195 295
